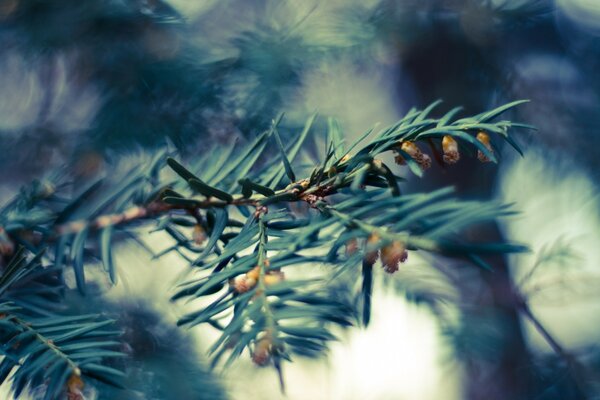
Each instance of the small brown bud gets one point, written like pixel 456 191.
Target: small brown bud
pixel 312 199
pixel 424 162
pixel 372 255
pixel 199 235
pixel 262 351
pixel 399 160
pixel 351 246
pixel 273 277
pixel 345 158
pixel 242 284
pixel 392 255
pixel 411 149
pixel 416 154
pixel 450 148
pixel 75 387
pixel 484 138
pixel 254 273
pixel 260 210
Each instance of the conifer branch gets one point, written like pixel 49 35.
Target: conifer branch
pixel 235 213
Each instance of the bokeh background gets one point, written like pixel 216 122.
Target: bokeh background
pixel 94 86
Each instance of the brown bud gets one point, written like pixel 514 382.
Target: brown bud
pixel 450 148
pixel 372 255
pixel 351 246
pixel 199 235
pixel 416 154
pixel 484 138
pixel 75 387
pixel 253 273
pixel 260 210
pixel 399 160
pixel 411 149
pixel 262 351
pixel 273 277
pixel 424 162
pixel 392 255
pixel 242 284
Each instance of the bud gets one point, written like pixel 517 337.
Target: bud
pixel 75 387
pixel 260 210
pixel 199 235
pixel 273 277
pixel 304 183
pixel 416 154
pixel 242 284
pixel 377 163
pixel 484 138
pixel 399 160
pixel 372 256
pixel 392 255
pixel 450 148
pixel 345 158
pixel 424 162
pixel 253 273
pixel 262 351
pixel 351 246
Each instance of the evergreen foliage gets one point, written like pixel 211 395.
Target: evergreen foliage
pixel 243 218
pixel 248 215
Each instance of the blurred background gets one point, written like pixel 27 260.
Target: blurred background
pixel 91 86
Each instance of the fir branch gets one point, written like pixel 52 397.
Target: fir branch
pixel 51 349
pixel 355 197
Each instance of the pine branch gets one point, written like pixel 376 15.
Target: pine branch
pixel 50 350
pixel 351 199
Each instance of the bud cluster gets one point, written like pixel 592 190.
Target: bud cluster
pixel 451 154
pixel 390 255
pixel 243 283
